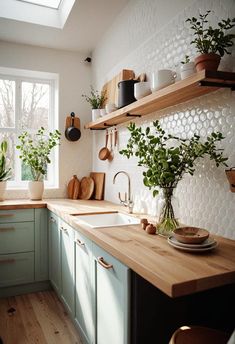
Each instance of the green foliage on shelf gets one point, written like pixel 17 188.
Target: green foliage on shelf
pixel 211 40
pixel 95 99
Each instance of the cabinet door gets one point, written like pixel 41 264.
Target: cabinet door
pixel 41 245
pixel 83 288
pixel 112 283
pixel 54 252
pixel 67 266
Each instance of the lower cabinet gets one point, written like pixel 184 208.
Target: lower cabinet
pixel 54 252
pixel 84 316
pixel 67 266
pixel 93 285
pixel 111 298
pixel 23 250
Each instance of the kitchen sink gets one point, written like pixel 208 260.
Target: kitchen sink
pixel 107 220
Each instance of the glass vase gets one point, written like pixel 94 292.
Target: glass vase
pixel 168 209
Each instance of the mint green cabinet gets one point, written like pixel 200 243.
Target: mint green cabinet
pixel 16 269
pixel 54 252
pixel 84 317
pixel 111 298
pixel 67 265
pixel 23 247
pixel 16 237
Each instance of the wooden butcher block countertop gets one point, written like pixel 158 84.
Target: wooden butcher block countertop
pixel 174 272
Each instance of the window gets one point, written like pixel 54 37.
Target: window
pixel 27 102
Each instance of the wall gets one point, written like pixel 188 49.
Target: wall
pixel 150 35
pixel 74 80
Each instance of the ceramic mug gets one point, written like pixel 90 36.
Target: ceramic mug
pixel 162 78
pixel 141 89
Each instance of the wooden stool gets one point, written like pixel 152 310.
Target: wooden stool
pixel 198 335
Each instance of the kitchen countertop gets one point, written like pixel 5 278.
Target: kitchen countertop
pixel 174 272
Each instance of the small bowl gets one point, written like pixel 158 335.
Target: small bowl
pixel 190 235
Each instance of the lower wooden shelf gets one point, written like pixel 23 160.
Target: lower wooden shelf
pixel 200 83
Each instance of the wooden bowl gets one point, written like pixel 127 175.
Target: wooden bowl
pixel 190 235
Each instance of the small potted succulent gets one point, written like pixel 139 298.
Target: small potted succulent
pixel 166 158
pixel 4 169
pixel 96 100
pixel 35 153
pixel 187 67
pixel 211 43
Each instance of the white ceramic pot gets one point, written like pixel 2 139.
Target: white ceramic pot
pixel 186 70
pixel 141 89
pixel 110 107
pixel 35 189
pixel 95 114
pixel 103 112
pixel 3 186
pixel 162 78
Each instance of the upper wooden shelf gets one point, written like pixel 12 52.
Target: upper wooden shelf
pixel 200 83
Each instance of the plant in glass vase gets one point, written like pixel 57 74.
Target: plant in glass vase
pixel 166 159
pixel 96 100
pixel 35 153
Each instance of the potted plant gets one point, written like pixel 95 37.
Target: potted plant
pixel 187 67
pixel 96 100
pixel 35 153
pixel 4 169
pixel 166 159
pixel 231 178
pixel 211 43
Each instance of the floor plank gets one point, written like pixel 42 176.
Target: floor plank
pixel 36 318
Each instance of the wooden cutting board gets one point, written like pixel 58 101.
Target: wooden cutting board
pixel 68 122
pixel 87 186
pixel 99 179
pixel 73 188
pixel 111 87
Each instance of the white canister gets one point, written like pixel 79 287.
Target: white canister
pixel 103 112
pixel 95 114
pixel 110 107
pixel 141 89
pixel 162 78
pixel 187 69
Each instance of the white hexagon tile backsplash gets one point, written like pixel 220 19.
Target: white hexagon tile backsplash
pixel 204 199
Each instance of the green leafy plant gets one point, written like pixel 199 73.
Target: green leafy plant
pixel 211 40
pixel 35 151
pixel 4 170
pixel 96 99
pixel 166 159
pixel 186 60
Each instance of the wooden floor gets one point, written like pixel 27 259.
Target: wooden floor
pixel 35 318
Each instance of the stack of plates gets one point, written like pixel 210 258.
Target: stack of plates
pixel 207 245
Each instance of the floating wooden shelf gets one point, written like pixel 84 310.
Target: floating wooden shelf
pixel 200 83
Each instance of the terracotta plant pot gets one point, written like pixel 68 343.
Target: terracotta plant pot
pixel 207 61
pixel 231 178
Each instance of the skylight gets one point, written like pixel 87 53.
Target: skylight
pixel 46 3
pixel 52 13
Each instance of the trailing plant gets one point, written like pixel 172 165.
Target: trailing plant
pixel 35 151
pixel 166 157
pixel 186 60
pixel 96 99
pixel 211 40
pixel 4 170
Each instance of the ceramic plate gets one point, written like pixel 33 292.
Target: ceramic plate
pixel 206 243
pixel 195 250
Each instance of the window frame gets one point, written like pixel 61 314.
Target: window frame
pixel 51 79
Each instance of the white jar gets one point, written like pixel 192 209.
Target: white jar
pixel 95 114
pixel 186 70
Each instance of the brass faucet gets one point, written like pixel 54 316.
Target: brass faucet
pixel 127 202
